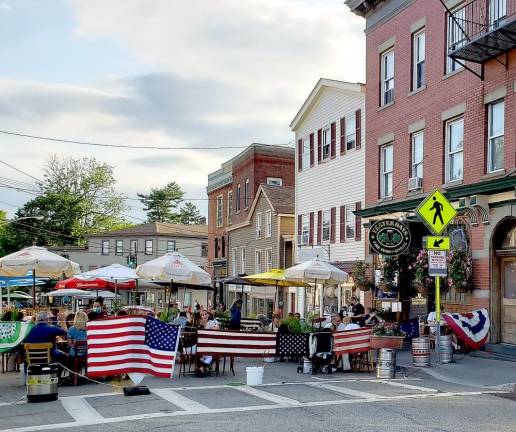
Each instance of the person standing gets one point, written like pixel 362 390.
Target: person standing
pixel 236 315
pixel 358 311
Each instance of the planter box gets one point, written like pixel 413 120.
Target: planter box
pixel 378 342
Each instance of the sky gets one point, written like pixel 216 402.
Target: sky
pixel 169 73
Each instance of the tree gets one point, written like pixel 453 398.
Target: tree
pixel 161 203
pixel 190 215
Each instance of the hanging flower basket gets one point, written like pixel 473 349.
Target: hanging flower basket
pixel 460 271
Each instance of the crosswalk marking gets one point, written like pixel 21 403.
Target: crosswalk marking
pixel 407 386
pixel 179 400
pixel 267 396
pixel 343 390
pixel 79 409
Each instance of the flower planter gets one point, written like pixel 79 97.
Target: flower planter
pixel 395 342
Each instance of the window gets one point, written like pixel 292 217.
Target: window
pixel 246 194
pixel 274 181
pixel 134 247
pixel 216 247
pixel 242 260
pixel 350 223
pixel 268 259
pixel 230 207
pixel 238 199
pixel 149 247
pixel 233 262
pixel 456 38
pixel 326 142
pixel 351 128
pixel 119 247
pixel 223 247
pixel 387 78
pixel 417 154
pixel 305 230
pixel 386 165
pixel 326 225
pixel 497 12
pixel 171 246
pixel 268 223
pixel 92 267
pixel 454 149
pixel 495 143
pixel 220 203
pixel 258 225
pixel 418 56
pixel 258 261
pixel 306 153
pixel 105 247
pixel 204 249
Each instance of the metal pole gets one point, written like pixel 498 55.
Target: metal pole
pixel 438 318
pixel 34 289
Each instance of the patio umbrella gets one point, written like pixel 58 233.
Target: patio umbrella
pixel 111 273
pixel 316 270
pixel 94 284
pixel 68 292
pixel 39 261
pixel 173 267
pixel 16 281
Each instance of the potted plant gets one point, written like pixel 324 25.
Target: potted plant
pixel 420 268
pixel 390 267
pixel 460 271
pixel 387 335
pixel 359 274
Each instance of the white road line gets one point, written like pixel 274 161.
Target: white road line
pixel 408 386
pixel 180 401
pixel 344 390
pixel 282 400
pixel 80 410
pixel 240 409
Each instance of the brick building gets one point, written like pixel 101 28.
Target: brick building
pixel 231 191
pixel 440 109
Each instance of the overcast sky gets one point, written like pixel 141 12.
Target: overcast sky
pixel 165 73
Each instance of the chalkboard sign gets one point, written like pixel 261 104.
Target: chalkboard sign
pixel 418 306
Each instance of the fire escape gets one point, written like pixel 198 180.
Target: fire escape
pixel 481 30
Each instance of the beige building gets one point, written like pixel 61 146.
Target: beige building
pixel 263 242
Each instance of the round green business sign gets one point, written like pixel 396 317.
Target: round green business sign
pixel 389 237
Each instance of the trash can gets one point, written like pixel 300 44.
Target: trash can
pixel 386 363
pixel 42 381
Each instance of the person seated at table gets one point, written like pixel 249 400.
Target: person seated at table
pixel 77 332
pixel 348 324
pixel 297 316
pixel 372 318
pixel 69 320
pixel 43 332
pixel 195 320
pixel 181 320
pixel 53 316
pixel 336 324
pixel 97 311
pixel 209 323
pixel 275 324
pixel 236 315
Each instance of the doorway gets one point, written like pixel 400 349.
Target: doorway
pixel 508 297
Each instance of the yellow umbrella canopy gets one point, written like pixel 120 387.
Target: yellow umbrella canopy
pixel 275 277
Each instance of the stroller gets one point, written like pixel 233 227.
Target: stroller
pixel 321 351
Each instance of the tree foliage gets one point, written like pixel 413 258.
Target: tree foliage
pixel 190 215
pixel 161 204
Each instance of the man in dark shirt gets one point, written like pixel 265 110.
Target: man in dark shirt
pixel 358 311
pixel 43 332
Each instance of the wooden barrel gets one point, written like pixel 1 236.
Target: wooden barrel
pixel 386 363
pixel 421 351
pixel 446 349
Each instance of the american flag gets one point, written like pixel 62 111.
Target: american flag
pixel 131 344
pixel 352 341
pixel 293 344
pixel 233 343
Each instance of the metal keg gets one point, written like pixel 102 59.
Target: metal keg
pixel 446 349
pixel 421 351
pixel 42 381
pixel 386 363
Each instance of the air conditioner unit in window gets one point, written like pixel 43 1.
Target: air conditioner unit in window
pixel 415 183
pixel 302 240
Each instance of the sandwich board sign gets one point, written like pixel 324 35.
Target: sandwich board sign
pixel 436 212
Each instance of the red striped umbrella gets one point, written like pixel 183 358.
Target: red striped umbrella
pixel 94 284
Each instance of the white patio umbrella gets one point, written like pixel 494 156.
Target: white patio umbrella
pixel 66 292
pixel 173 267
pixel 114 272
pixel 316 270
pixel 39 261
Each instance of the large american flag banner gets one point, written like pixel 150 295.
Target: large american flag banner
pixel 352 341
pixel 471 328
pixel 234 343
pixel 130 344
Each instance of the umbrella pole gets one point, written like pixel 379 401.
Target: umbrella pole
pixel 34 289
pixel 321 297
pixel 8 296
pixel 1 301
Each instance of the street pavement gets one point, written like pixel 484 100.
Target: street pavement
pixel 287 401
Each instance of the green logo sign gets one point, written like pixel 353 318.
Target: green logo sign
pixel 389 237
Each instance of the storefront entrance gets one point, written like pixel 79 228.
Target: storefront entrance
pixel 508 284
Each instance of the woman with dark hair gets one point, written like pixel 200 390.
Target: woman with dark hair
pixel 236 315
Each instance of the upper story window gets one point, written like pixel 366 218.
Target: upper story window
pixel 326 225
pixel 387 77
pixel 497 12
pixel 238 195
pixel 326 143
pixel 233 262
pixel 204 249
pixel 305 230
pixel 230 207
pixel 350 223
pixel 220 204
pixel 418 56
pixel 351 129
pixel 306 153
pixel 386 166
pixel 171 246
pixel 495 139
pixel 258 261
pixel 454 150
pixel 274 181
pixel 456 37
pixel 246 193
pixel 105 247
pixel 119 247
pixel 268 223
pixel 268 259
pixel 149 247
pixel 417 157
pixel 216 247
pixel 258 225
pixel 242 259
pixel 134 247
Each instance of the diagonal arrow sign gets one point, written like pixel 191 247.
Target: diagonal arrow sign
pixel 437 243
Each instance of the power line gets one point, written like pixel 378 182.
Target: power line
pixel 19 170
pixel 124 146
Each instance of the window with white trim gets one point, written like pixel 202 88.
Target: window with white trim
pixel 171 246
pixel 258 261
pixel 238 195
pixel 306 153
pixel 454 150
pixel 204 249
pixel 418 59
pixel 119 247
pixel 274 181
pixel 495 139
pixel 246 193
pixel 134 247
pixel 230 207
pixel 243 258
pixel 258 225
pixel 268 223
pixel 326 225
pixel 326 143
pixel 305 229
pixel 387 77
pixel 233 262
pixel 220 204
pixel 417 140
pixel 456 37
pixel 497 13
pixel 386 166
pixel 350 223
pixel 149 247
pixel 105 247
pixel 268 259
pixel 351 129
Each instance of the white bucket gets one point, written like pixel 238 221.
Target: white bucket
pixel 307 366
pixel 254 375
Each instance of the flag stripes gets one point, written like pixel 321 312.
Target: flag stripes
pixel 216 342
pixel 352 341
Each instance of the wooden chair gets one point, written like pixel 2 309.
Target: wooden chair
pixel 79 360
pixel 37 353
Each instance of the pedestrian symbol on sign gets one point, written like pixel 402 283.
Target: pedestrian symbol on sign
pixel 436 212
pixel 438 208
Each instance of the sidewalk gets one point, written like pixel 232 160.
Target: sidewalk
pixel 468 370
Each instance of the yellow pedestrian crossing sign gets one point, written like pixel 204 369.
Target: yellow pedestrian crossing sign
pixel 436 212
pixel 437 243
